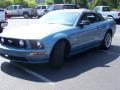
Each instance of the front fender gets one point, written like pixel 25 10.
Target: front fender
pixel 53 39
pixel 60 36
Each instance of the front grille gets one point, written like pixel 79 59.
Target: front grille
pixel 12 42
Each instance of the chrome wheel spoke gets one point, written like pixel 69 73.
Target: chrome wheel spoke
pixel 108 40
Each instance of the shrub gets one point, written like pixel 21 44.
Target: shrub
pixel 5 3
pixel 28 3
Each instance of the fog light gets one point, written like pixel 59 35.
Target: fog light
pixel 38 53
pixel 2 40
pixel 21 43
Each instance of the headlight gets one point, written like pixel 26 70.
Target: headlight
pixel 37 44
pixel 40 44
pixel 21 42
pixel 2 40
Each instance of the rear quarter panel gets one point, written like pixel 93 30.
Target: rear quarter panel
pixel 109 25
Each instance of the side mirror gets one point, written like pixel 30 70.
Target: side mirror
pixel 84 22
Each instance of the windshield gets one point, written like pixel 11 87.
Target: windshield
pixel 66 18
pixel 50 8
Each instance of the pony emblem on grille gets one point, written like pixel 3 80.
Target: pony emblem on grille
pixel 10 41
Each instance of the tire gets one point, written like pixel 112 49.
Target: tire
pixel 31 16
pixel 38 17
pixel 1 30
pixel 58 55
pixel 106 43
pixel 26 15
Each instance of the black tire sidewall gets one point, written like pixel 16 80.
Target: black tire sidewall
pixel 26 14
pixel 1 30
pixel 57 56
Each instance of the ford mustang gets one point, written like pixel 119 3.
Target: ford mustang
pixel 58 35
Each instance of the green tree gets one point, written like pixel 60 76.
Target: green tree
pixel 67 1
pixel 81 3
pixel 29 3
pixel 58 1
pixel 5 3
pixel 48 2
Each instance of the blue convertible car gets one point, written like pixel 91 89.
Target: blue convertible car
pixel 58 34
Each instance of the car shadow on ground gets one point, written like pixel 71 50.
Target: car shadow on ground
pixel 74 66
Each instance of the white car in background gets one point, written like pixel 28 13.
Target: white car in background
pixel 40 10
pixel 105 11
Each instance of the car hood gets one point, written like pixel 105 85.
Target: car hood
pixel 34 31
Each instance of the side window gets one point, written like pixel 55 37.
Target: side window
pixel 99 17
pixel 51 7
pixel 67 7
pixel 105 9
pixel 10 8
pixel 43 7
pixel 97 9
pixel 70 7
pixel 91 17
pixel 58 7
pixel 15 7
pixel 39 7
pixel 20 7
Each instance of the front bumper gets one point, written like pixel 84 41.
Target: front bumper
pixel 23 55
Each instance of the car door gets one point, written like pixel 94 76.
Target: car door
pixel 10 10
pixel 15 10
pixel 43 9
pixel 88 35
pixel 20 10
pixel 39 9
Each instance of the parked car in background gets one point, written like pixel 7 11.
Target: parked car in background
pixel 20 10
pixel 40 10
pixel 3 19
pixel 61 6
pixel 58 35
pixel 107 12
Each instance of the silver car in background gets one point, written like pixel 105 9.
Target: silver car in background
pixel 20 10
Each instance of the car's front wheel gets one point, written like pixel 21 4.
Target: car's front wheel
pixel 106 44
pixel 1 30
pixel 58 55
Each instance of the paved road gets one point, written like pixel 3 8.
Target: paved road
pixel 92 70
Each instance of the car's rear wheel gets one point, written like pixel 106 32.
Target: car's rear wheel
pixel 58 55
pixel 26 15
pixel 106 43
